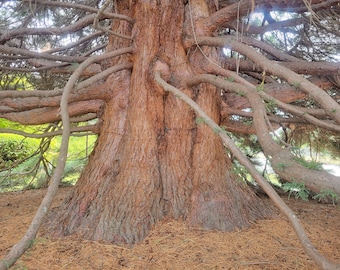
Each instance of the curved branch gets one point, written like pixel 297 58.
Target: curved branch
pixel 331 107
pixel 57 92
pixel 32 54
pixel 47 115
pixel 322 261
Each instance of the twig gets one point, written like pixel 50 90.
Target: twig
pixel 49 134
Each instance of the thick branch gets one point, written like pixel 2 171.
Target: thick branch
pixel 48 115
pixel 331 107
pixel 79 88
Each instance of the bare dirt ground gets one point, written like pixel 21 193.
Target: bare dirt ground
pixel 268 244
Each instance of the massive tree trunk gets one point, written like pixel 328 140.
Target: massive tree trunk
pixel 151 159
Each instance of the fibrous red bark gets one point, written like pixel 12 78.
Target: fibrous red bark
pixel 151 159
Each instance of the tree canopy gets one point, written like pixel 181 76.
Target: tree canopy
pixel 43 42
pixel 262 72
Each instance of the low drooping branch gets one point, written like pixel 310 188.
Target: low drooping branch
pixel 85 87
pixel 283 162
pixel 322 261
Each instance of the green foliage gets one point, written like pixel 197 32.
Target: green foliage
pixel 4 123
pixel 241 93
pixel 318 141
pixel 14 82
pixel 312 164
pixel 281 166
pixel 327 196
pixel 260 88
pixel 12 151
pixel 248 144
pixel 200 120
pixel 240 172
pixel 297 84
pixel 270 106
pixel 36 171
pixel 298 190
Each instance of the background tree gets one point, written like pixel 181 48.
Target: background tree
pixel 114 61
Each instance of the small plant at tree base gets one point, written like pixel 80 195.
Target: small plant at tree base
pixel 260 88
pixel 297 189
pixel 270 105
pixel 241 173
pixel 12 151
pixel 297 84
pixel 281 166
pixel 312 165
pixel 200 120
pixel 327 196
pixel 241 93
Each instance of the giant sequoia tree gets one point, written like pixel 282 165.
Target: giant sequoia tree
pixel 155 157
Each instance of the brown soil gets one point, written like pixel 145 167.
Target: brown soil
pixel 268 244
